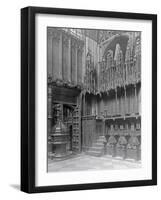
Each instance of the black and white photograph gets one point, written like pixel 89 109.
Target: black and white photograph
pixel 93 99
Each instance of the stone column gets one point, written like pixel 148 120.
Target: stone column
pixel 60 57
pixel 76 64
pixel 73 55
pixel 49 52
pixel 135 101
pixel 69 61
pixel 79 63
pixel 65 57
pixel 125 102
pixel 116 109
pixel 84 104
pixel 56 53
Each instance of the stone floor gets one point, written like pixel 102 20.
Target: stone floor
pixel 86 162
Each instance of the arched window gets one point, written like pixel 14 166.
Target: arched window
pixel 118 55
pixel 129 61
pixel 109 59
pixel 109 65
pixel 137 59
pixel 119 66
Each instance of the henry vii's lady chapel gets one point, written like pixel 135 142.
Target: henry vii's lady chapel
pixel 94 93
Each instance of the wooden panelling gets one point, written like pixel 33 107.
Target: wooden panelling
pixel 88 131
pixel 64 94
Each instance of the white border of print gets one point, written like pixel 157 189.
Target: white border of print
pixel 63 178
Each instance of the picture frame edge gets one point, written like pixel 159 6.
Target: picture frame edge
pixel 28 101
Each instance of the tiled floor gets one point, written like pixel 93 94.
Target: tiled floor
pixel 87 162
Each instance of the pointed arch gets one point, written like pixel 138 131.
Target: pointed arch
pixel 120 39
pixel 129 58
pixel 109 58
pixel 129 51
pixel 133 140
pixel 119 62
pixel 112 140
pixel 122 140
pixel 137 58
pixel 118 58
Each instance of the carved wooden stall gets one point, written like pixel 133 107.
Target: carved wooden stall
pixel 120 100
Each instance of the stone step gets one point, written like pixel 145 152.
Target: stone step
pixel 97 148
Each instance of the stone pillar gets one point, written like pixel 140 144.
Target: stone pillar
pixel 49 52
pixel 56 54
pixel 60 57
pixel 84 104
pixel 116 109
pixel 65 57
pixel 76 64
pixel 135 101
pixel 139 100
pixel 104 127
pixel 79 63
pixel 73 59
pixel 69 61
pixel 125 103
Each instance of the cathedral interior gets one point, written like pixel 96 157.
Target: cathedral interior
pixel 94 93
